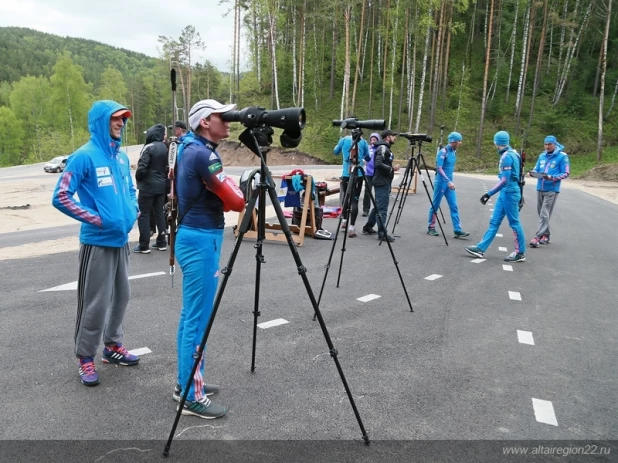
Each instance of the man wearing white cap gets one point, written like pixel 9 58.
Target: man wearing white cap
pixel 204 194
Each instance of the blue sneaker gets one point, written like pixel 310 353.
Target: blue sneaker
pixel 87 373
pixel 118 354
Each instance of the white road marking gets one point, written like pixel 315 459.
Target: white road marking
pixel 502 248
pixel 433 277
pixel 477 261
pixel 507 268
pixel 73 285
pixel 275 322
pixel 499 235
pixel 140 351
pixel 491 210
pixel 544 411
pixel 368 297
pixel 514 295
pixel 525 337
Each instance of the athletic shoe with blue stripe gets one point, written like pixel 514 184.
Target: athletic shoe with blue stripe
pixel 204 408
pixel 87 373
pixel 118 354
pixel 209 389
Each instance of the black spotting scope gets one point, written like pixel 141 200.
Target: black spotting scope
pixel 422 137
pixel 353 123
pixel 292 119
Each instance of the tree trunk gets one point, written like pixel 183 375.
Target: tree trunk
pixel 412 94
pixel 560 49
pixel 484 100
pixel 347 14
pixel 256 42
pixel 524 73
pixel 234 45
pixel 358 51
pixel 303 38
pixel 404 60
pixel 463 73
pixel 537 72
pixel 390 104
pixel 613 101
pixel 294 74
pixel 437 68
pixel 423 75
pixel 513 41
pixel 373 37
pixel 447 54
pixel 388 17
pixel 272 18
pixel 603 70
pixel 333 58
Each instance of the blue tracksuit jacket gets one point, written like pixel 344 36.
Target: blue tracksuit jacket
pixel 556 165
pixel 100 174
pixel 343 148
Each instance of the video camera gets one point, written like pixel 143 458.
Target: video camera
pixel 353 123
pixel 416 137
pixel 291 120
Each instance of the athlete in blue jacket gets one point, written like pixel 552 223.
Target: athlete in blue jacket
pixel 100 174
pixel 205 192
pixel 553 163
pixel 507 203
pixel 444 186
pixel 343 147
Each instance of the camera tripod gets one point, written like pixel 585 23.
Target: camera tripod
pixel 346 210
pixel 258 140
pixel 414 165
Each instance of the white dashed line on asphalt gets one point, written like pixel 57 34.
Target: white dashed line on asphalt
pixel 140 351
pixel 514 295
pixel 73 285
pixel 275 322
pixel 433 277
pixel 525 337
pixel 502 248
pixel 499 235
pixel 507 268
pixel 477 261
pixel 544 411
pixel 368 297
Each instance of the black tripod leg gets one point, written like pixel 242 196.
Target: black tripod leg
pixel 403 201
pixel 345 207
pixel 404 181
pixel 390 248
pixel 227 271
pixel 259 260
pixel 302 271
pixel 418 169
pixel 349 192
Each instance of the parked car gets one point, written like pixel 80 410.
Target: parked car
pixel 56 165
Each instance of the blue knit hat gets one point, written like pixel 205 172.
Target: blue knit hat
pixel 454 136
pixel 551 139
pixel 502 138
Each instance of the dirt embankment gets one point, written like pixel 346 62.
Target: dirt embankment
pixel 602 173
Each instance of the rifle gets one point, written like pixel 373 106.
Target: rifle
pixel 172 210
pixel 440 145
pixel 522 175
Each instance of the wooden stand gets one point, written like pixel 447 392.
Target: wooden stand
pixel 299 231
pixel 412 186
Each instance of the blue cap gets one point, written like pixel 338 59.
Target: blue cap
pixel 502 138
pixel 454 136
pixel 551 139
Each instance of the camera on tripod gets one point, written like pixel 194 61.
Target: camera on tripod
pixel 291 120
pixel 416 137
pixel 353 123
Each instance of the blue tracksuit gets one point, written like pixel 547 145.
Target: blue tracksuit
pixel 343 147
pixel 445 166
pixel 100 174
pixel 556 165
pixel 198 249
pixel 508 201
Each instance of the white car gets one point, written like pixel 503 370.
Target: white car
pixel 56 165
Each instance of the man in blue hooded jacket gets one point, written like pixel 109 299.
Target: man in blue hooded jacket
pixel 444 186
pixel 100 174
pixel 553 163
pixel 507 203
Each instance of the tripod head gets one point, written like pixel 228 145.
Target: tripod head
pixel 257 139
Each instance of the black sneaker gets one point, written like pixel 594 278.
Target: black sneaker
pixel 475 251
pixel 369 231
pixel 141 250
pixel 515 257
pixel 160 247
pixel 388 238
pixel 204 409
pixel 209 389
pixel 432 231
pixel 461 234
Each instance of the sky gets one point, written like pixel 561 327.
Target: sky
pixel 131 24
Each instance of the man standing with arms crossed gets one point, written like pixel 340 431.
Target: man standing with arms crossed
pixel 100 174
pixel 444 186
pixel 204 194
pixel 555 167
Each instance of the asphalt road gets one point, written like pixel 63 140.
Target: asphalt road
pixel 450 375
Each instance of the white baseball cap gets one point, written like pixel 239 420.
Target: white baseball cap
pixel 203 109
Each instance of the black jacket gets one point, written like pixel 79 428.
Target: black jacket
pixel 151 173
pixel 383 164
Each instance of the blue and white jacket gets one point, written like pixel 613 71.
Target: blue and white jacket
pixel 556 166
pixel 343 148
pixel 100 174
pixel 508 172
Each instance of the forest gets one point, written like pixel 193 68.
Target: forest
pixel 530 67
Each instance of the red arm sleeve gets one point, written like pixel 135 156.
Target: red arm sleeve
pixel 225 188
